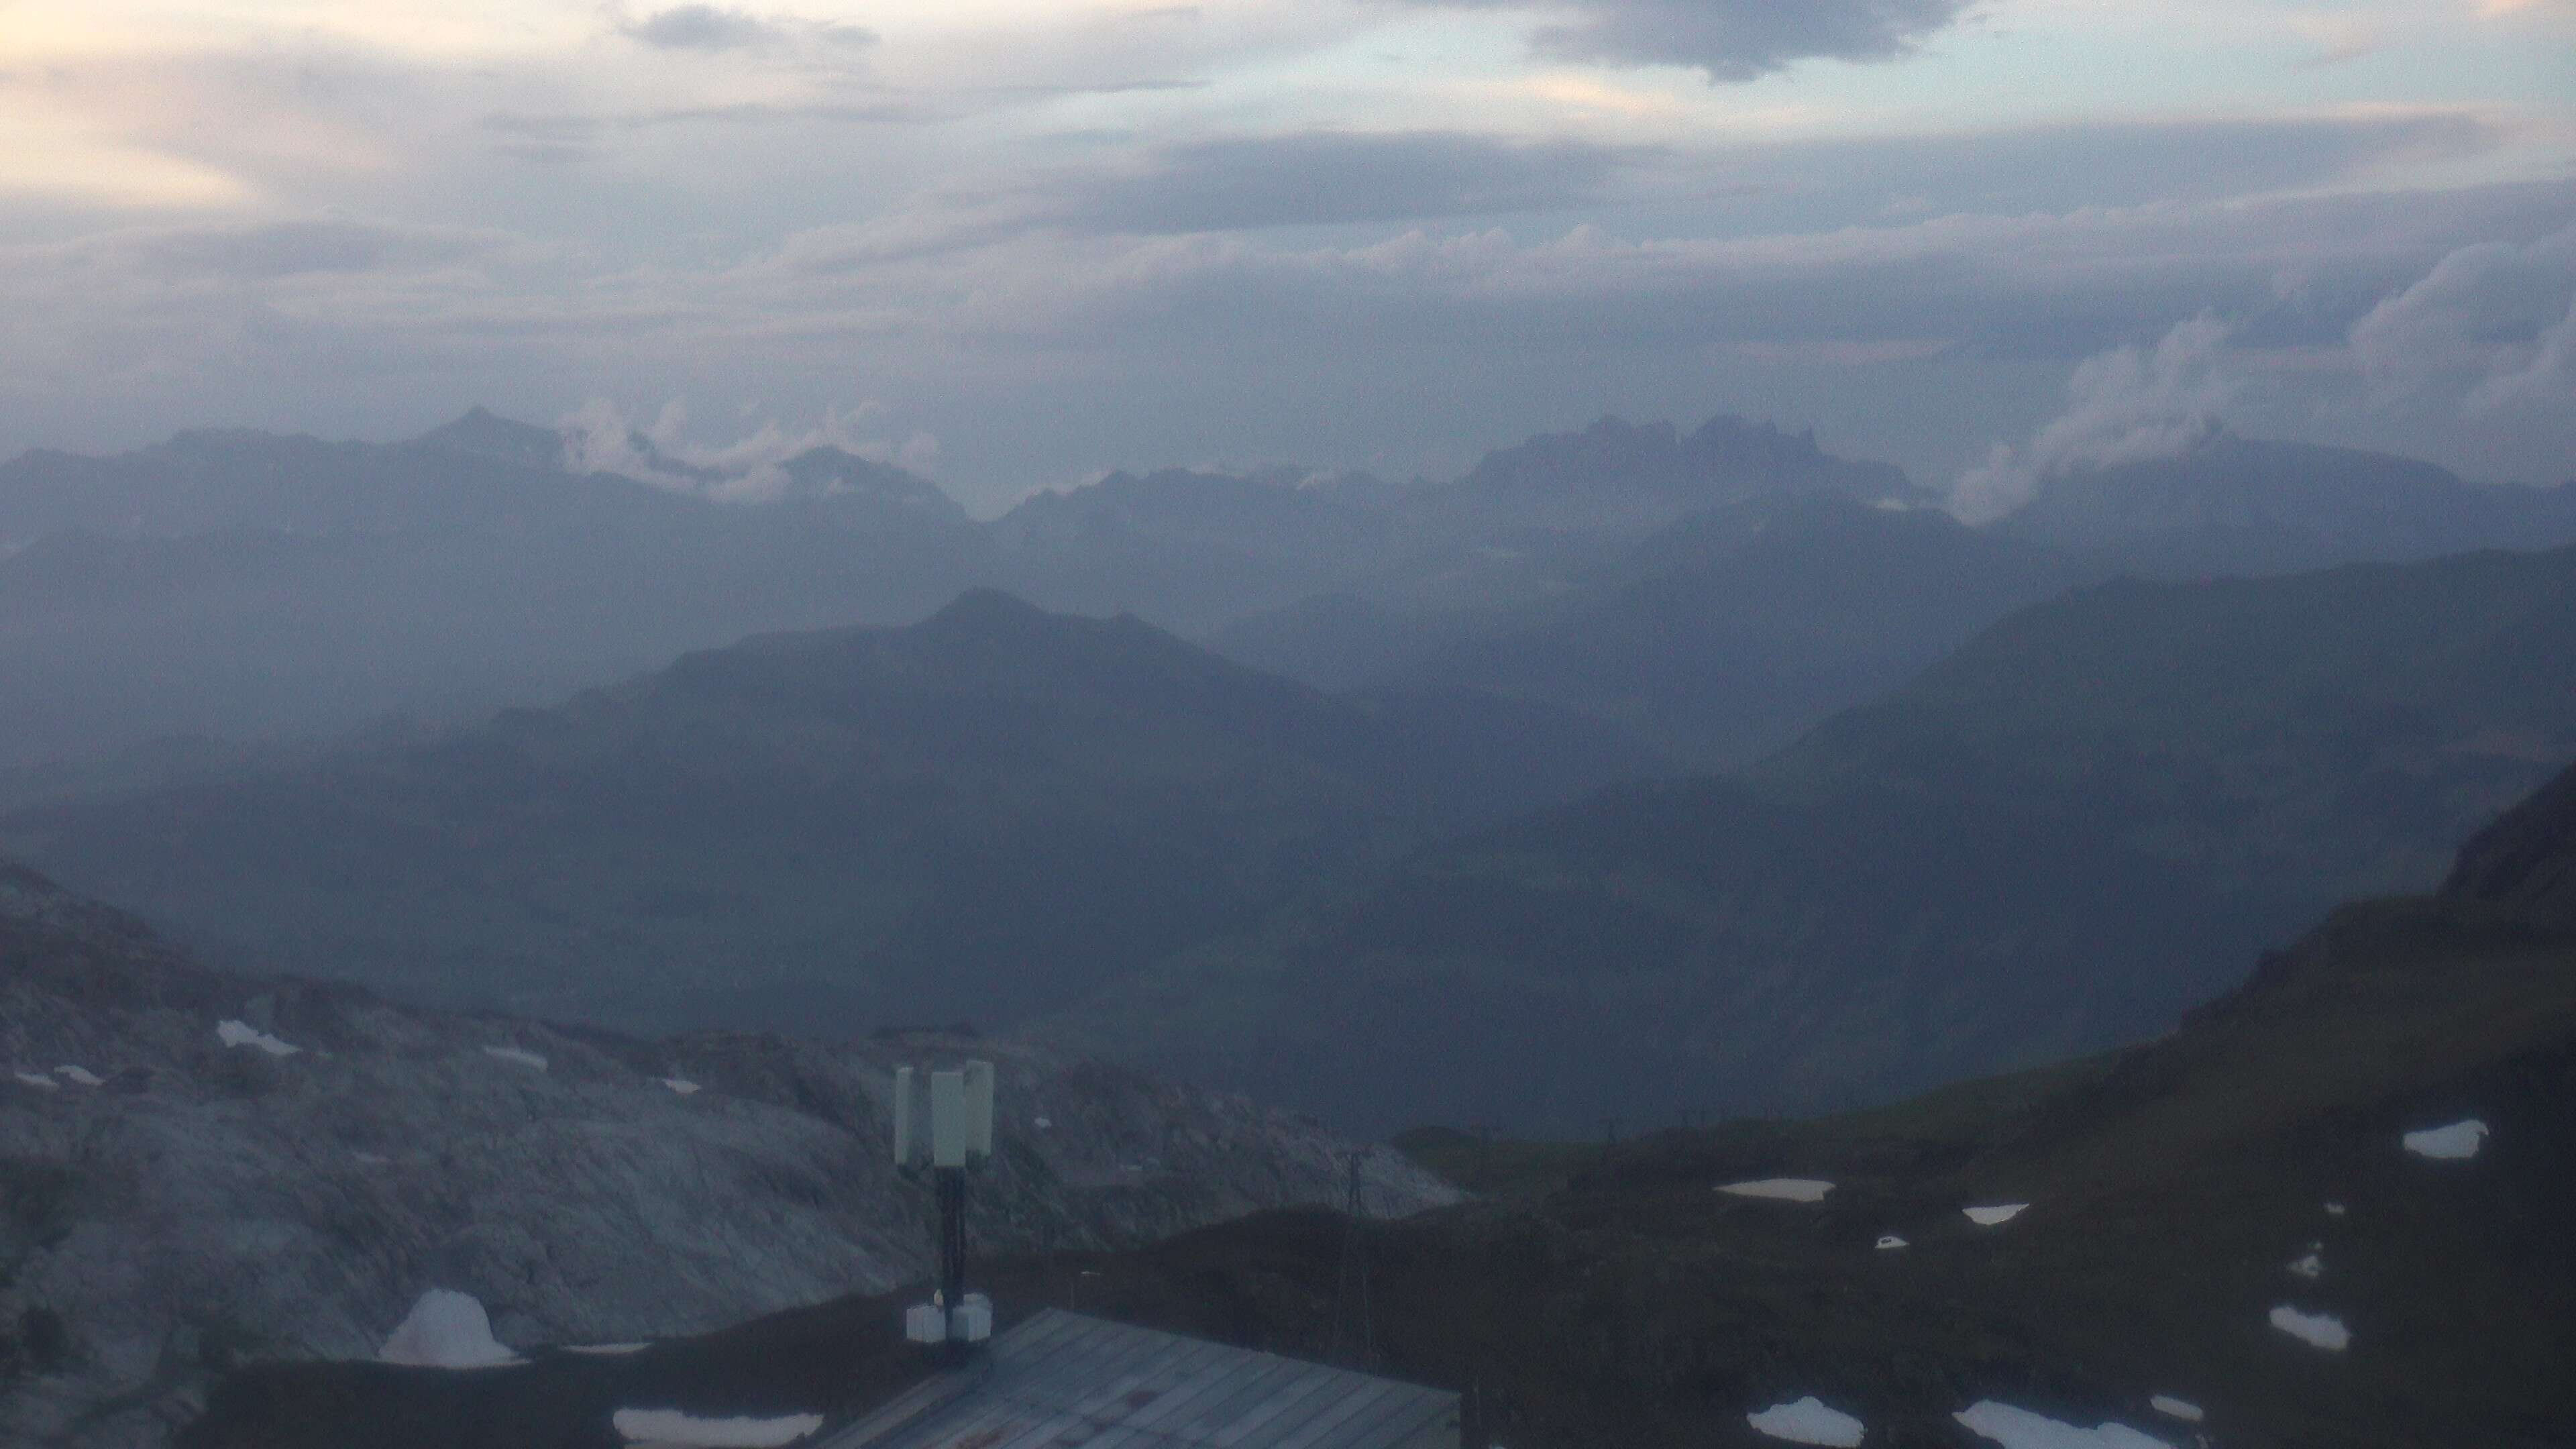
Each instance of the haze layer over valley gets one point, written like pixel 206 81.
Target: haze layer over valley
pixel 1628 767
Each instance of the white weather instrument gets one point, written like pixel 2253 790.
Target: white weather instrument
pixel 961 1133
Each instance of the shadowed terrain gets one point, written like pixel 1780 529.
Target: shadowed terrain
pixel 1618 1299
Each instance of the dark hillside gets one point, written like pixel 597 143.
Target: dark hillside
pixel 2054 841
pixel 2181 1197
pixel 976 817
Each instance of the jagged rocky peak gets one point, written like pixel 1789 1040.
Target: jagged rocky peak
pixel 1624 474
pixel 483 433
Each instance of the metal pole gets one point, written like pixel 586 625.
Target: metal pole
pixel 952 1236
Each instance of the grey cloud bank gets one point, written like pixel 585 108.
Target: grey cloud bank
pixel 1040 353
pixel 1733 40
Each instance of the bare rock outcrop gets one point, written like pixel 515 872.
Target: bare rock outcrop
pixel 198 1169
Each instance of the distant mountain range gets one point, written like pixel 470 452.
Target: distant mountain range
pixel 241 585
pixel 2236 505
pixel 1727 631
pixel 1385 905
pixel 1719 638
pixel 2056 840
pixel 980 816
pixel 2052 840
pixel 244 585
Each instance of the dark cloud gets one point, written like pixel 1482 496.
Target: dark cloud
pixel 1326 178
pixel 710 27
pixel 1734 40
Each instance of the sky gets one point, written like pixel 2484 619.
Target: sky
pixel 1017 244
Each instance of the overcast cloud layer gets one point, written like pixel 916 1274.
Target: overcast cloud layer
pixel 1016 244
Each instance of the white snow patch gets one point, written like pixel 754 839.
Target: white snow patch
pixel 2173 1408
pixel 1995 1216
pixel 2453 1143
pixel 1807 1421
pixel 523 1057
pixel 239 1033
pixel 2021 1429
pixel 2309 1266
pixel 446 1329
pixel 606 1347
pixel 1890 1243
pixel 2334 1209
pixel 1045 1125
pixel 681 1085
pixel 2322 1329
pixel 670 1426
pixel 1786 1189
pixel 82 1075
pixel 40 1081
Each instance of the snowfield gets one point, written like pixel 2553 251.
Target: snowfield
pixel 684 1431
pixel 2455 1143
pixel 1807 1421
pixel 449 1330
pixel 2321 1329
pixel 1784 1189
pixel 241 1033
pixel 2021 1429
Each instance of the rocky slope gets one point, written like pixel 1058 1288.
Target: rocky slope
pixel 198 1168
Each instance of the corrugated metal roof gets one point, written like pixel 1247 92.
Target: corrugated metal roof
pixel 1063 1379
